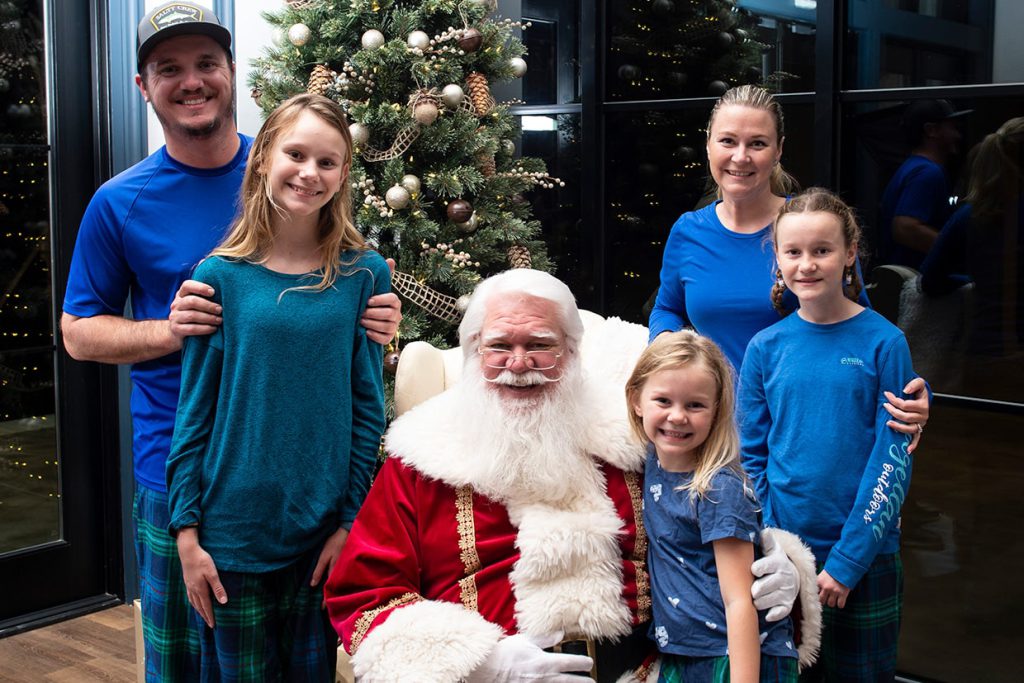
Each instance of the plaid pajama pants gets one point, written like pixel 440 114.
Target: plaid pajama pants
pixel 859 642
pixel 168 627
pixel 272 628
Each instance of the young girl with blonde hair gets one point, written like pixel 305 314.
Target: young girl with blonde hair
pixel 702 520
pixel 281 408
pixel 815 439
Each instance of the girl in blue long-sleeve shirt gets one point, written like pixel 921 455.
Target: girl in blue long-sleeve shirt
pixel 815 440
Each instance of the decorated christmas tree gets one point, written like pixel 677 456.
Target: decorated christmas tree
pixel 435 173
pixel 683 48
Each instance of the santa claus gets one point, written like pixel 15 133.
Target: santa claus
pixel 505 530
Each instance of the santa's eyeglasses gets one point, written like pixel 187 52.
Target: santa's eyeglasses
pixel 500 359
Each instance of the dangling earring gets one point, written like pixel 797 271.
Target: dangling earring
pixel 778 278
pixel 849 276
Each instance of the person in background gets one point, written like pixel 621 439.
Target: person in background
pixel 916 202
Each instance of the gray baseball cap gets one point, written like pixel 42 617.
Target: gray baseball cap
pixel 178 19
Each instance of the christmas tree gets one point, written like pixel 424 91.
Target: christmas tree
pixel 682 48
pixel 434 165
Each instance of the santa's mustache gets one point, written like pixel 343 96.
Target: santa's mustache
pixel 522 379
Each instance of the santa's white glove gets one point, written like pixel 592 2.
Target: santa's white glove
pixel 521 658
pixel 778 584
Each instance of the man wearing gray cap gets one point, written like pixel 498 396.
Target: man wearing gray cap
pixel 140 237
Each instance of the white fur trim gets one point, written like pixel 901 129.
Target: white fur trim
pixel 431 438
pixel 569 574
pixel 810 607
pixel 426 641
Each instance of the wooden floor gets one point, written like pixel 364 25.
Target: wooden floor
pixel 97 647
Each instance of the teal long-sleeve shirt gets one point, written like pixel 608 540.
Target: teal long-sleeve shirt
pixel 280 413
pixel 814 437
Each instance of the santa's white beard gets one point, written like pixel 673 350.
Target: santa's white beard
pixel 529 449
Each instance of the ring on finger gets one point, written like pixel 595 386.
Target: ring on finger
pixel 920 428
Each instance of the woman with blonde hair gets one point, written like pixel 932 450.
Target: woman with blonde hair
pixel 718 266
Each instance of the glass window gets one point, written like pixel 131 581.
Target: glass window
pixel 656 170
pixel 938 185
pixel 913 43
pixel 669 49
pixel 556 140
pixel 961 553
pixel 29 488
pixel 552 52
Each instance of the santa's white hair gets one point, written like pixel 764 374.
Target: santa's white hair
pixel 526 283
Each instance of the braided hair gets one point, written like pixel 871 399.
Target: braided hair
pixel 811 200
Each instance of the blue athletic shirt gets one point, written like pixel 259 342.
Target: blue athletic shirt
pixel 686 598
pixel 814 438
pixel 142 234
pixel 718 282
pixel 918 189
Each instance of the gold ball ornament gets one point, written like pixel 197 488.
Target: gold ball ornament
pixel 411 183
pixel 391 359
pixel 425 112
pixel 359 132
pixel 298 34
pixel 452 95
pixel 471 40
pixel 372 39
pixel 518 65
pixel 397 197
pixel 418 40
pixel 459 211
pixel 508 147
pixel 470 226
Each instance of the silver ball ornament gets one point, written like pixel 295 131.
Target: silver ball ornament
pixel 397 197
pixel 469 226
pixel 518 65
pixel 509 147
pixel 452 95
pixel 298 35
pixel 418 40
pixel 411 183
pixel 462 303
pixel 359 132
pixel 372 39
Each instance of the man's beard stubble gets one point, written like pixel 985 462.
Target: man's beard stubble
pixel 206 131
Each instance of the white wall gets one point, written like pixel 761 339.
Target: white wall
pixel 250 34
pixel 1008 48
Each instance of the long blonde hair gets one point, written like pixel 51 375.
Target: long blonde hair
pixel 996 172
pixel 682 349
pixel 781 183
pixel 252 235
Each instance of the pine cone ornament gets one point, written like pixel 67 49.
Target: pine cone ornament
pixel 519 256
pixel 320 80
pixel 479 93
pixel 485 162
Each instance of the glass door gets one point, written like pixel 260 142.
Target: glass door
pixel 58 503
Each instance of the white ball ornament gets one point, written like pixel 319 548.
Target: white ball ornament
pixel 418 40
pixel 425 113
pixel 518 65
pixel 298 35
pixel 372 39
pixel 509 147
pixel 411 183
pixel 359 132
pixel 397 197
pixel 452 95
